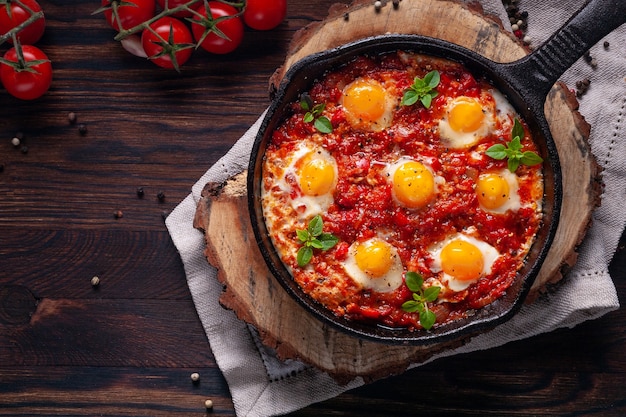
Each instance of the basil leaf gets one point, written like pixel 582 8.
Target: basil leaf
pixel 328 240
pixel 431 293
pixel 426 100
pixel 304 255
pixel 303 235
pixel 318 109
pixel 414 281
pixel 315 226
pixel 410 306
pixel 513 164
pixel 410 97
pixel 422 90
pixel 515 144
pixel 315 243
pixel 432 79
pixel 530 158
pixel 518 130
pixel 427 319
pixel 323 125
pixel 497 151
pixel 306 102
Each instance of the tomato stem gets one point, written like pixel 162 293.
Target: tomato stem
pixel 167 12
pixel 21 64
pixel 34 16
pixel 122 34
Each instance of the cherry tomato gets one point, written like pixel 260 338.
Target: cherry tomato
pixel 231 28
pixel 175 3
pixel 24 84
pixel 12 14
pixel 173 40
pixel 130 12
pixel 264 14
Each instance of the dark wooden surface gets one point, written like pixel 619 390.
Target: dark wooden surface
pixel 129 346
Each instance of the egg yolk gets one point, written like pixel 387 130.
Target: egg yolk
pixel 492 190
pixel 316 176
pixel 462 260
pixel 375 257
pixel 466 115
pixel 414 184
pixel 364 99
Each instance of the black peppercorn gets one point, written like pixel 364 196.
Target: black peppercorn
pixel 161 196
pixel 118 214
pixel 24 149
pixel 140 192
pixel 606 44
pixel 82 129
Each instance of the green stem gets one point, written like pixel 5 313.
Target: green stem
pixel 168 12
pixel 31 19
pixel 127 32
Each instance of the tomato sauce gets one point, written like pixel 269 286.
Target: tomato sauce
pixel 363 204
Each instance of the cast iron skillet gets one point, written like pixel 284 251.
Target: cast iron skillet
pixel 525 82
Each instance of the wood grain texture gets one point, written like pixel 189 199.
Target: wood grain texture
pixel 128 348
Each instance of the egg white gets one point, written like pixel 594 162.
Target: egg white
pixel 379 124
pixel 388 282
pixel 306 206
pixel 490 255
pixel 505 113
pixel 513 201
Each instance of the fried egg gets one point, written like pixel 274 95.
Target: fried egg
pixel 497 192
pixel 374 264
pixel 414 183
pixel 462 260
pixel 368 105
pixel 310 179
pixel 465 122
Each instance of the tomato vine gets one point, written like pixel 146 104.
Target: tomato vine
pixel 217 26
pixel 25 70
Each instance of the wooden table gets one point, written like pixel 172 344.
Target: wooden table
pixel 129 346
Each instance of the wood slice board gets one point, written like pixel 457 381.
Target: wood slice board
pixel 222 213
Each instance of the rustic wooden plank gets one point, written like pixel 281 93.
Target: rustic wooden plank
pixel 120 391
pixel 105 332
pixel 61 263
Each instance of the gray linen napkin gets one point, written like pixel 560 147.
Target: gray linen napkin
pixel 262 385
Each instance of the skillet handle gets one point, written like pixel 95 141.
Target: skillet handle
pixel 541 69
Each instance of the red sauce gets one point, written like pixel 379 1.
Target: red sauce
pixel 363 204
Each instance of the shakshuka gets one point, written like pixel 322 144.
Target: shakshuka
pixel 402 188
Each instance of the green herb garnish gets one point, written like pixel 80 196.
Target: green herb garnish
pixel 421 298
pixel 313 238
pixel 314 114
pixel 513 150
pixel 422 90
